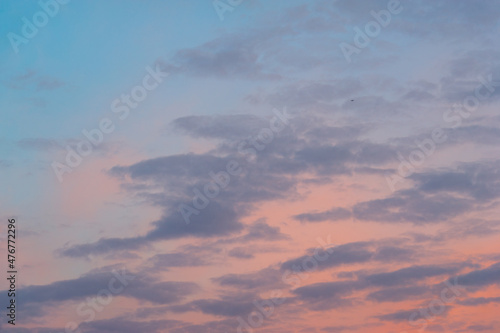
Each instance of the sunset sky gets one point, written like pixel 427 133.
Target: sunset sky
pixel 199 166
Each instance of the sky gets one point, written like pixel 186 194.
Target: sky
pixel 250 166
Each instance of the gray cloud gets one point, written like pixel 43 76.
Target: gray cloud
pixel 333 214
pixel 478 181
pixel 266 278
pixel 399 294
pixel 481 277
pixel 228 127
pixel 231 56
pixel 350 253
pixel 409 274
pixel 417 315
pixel 224 308
pixel 179 175
pixel 412 206
pixel 326 295
pixel 215 221
pixel 478 328
pixel 122 324
pixel 475 301
pixel 241 253
pixel 177 259
pixel 138 286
